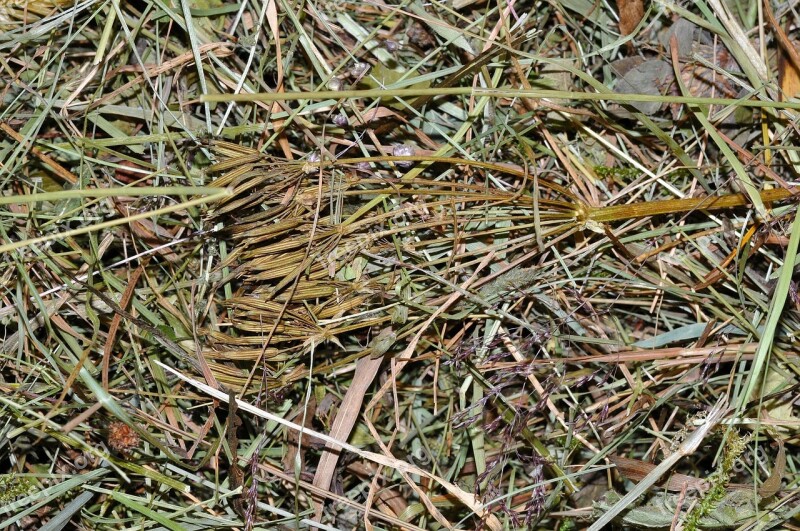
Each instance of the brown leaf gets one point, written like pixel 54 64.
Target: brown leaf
pixel 772 485
pixel 635 470
pixel 788 58
pixel 631 13
pixel 378 113
pixel 789 75
pixel 391 501
pixel 704 82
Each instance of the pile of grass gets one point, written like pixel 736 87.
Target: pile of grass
pixel 418 266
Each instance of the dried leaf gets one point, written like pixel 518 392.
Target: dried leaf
pixel 631 13
pixel 636 470
pixel 788 74
pixel 773 483
pixel 650 77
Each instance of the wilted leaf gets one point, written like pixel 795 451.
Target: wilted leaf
pixel 630 14
pixel 650 77
pixel 789 75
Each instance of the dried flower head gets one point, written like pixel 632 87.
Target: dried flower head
pixel 335 84
pixel 404 150
pixel 121 437
pixel 359 70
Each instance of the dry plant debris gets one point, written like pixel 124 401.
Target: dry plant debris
pixel 420 265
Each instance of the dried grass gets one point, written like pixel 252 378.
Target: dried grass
pixel 410 266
